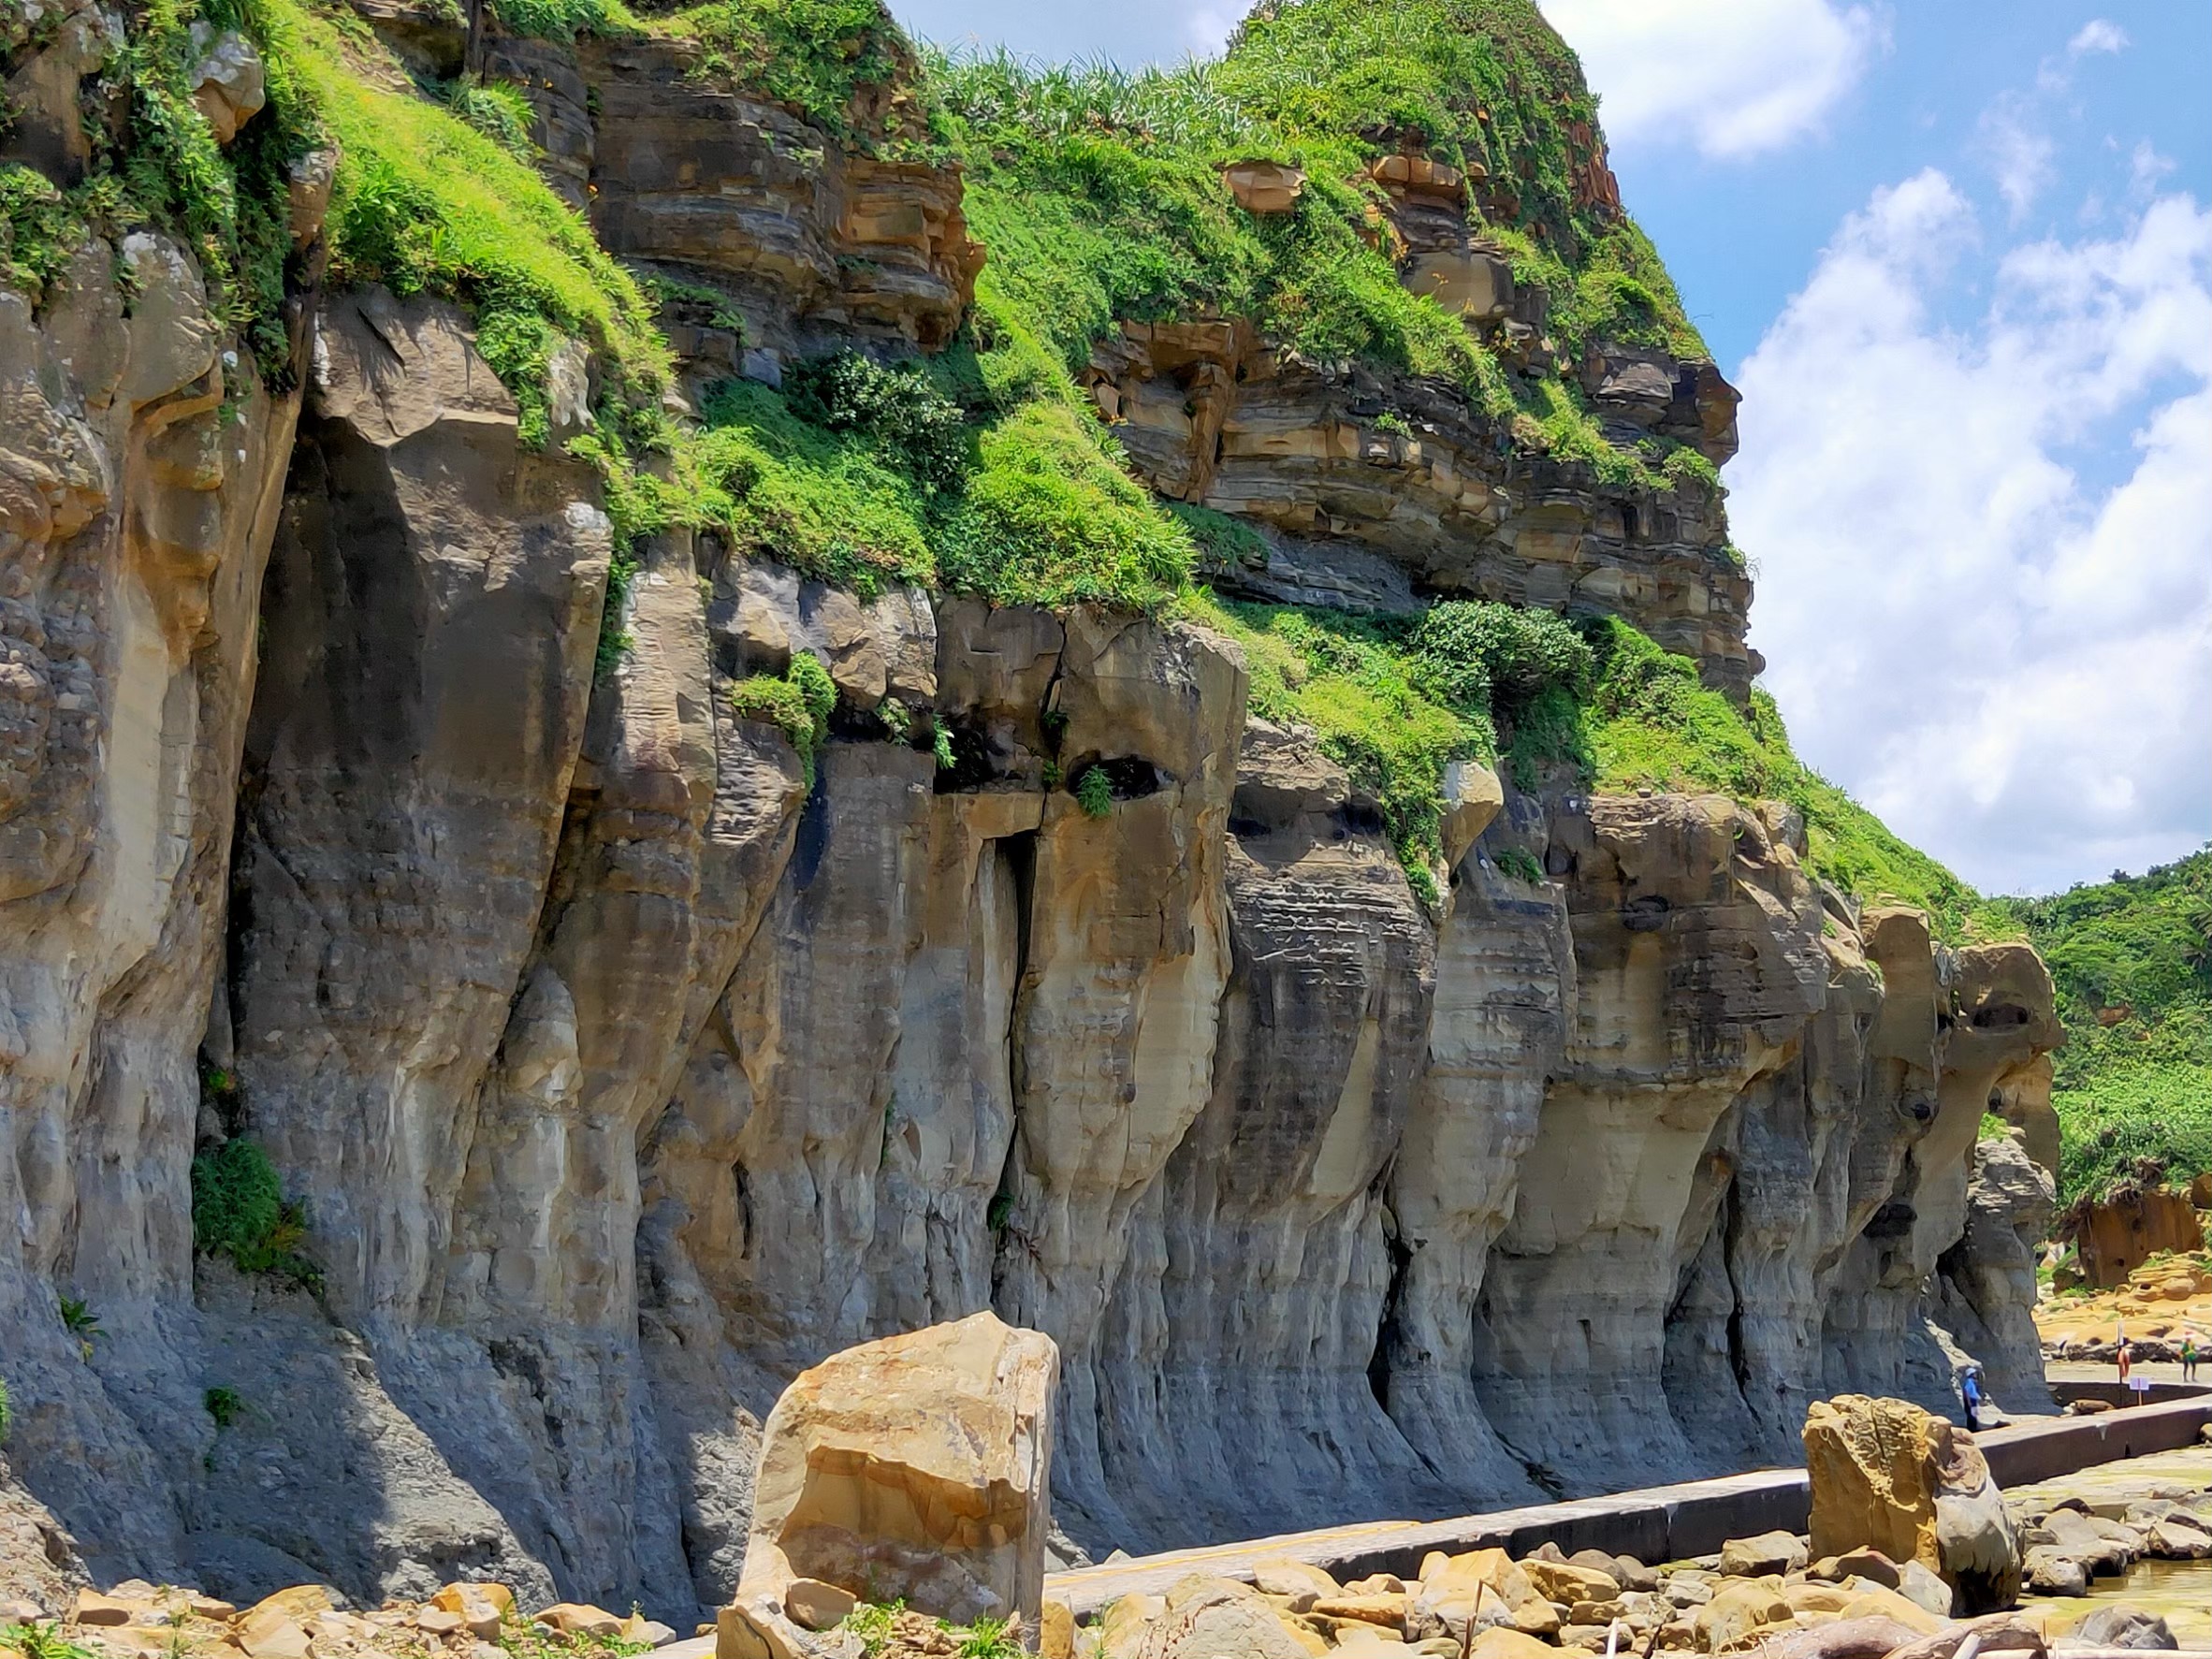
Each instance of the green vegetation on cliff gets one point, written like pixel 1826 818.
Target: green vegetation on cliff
pixel 2131 959
pixel 1100 195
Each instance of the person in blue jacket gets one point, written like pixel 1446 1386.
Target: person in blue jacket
pixel 1970 1390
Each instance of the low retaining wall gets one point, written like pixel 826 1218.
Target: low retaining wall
pixel 1653 1524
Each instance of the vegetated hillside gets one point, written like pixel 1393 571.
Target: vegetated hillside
pixel 2132 959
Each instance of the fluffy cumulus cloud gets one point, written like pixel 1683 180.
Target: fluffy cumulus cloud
pixel 1986 552
pixel 1734 79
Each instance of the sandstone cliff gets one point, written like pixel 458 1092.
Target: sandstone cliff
pixel 624 1055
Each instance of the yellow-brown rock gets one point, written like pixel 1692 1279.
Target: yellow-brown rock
pixel 1498 1642
pixel 92 1607
pixel 1563 1581
pixel 1056 1630
pixel 480 1606
pixel 909 1469
pixel 573 1618
pixel 268 1633
pixel 1388 1609
pixel 1264 186
pixel 1285 1576
pixel 1889 1474
pixel 1736 1612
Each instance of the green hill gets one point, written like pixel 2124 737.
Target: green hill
pixel 2133 961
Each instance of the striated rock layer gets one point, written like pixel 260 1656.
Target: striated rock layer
pixel 624 1065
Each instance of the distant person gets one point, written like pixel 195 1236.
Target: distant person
pixel 1970 1390
pixel 2188 1359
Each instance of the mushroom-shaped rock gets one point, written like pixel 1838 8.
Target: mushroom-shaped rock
pixel 911 1469
pixel 1886 1474
pixel 1472 797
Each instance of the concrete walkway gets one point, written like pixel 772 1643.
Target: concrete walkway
pixel 1653 1524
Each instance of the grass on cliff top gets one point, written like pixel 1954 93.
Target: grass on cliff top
pixel 1650 723
pixel 2132 960
pixel 1098 193
pixel 819 57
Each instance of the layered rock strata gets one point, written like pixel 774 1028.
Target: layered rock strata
pixel 624 1064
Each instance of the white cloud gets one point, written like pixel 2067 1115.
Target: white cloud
pixel 2098 35
pixel 2018 155
pixel 2007 659
pixel 1734 79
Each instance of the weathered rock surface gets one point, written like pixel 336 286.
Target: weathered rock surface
pixel 912 1470
pixel 624 1067
pixel 1888 1476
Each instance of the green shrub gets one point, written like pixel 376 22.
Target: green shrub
pixel 1521 864
pixel 80 1321
pixel 1498 657
pixel 986 1639
pixel 239 1210
pixel 224 1404
pixel 909 418
pixel 871 1622
pixel 1094 793
pixel 799 701
pixel 499 110
pixel 5 1418
pixel 42 1641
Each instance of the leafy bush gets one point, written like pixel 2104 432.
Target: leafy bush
pixel 5 1418
pixel 239 1210
pixel 909 418
pixel 1094 793
pixel 871 1622
pixel 224 1404
pixel 799 701
pixel 497 109
pixel 1498 657
pixel 1521 864
pixel 42 1641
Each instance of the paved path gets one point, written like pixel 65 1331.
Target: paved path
pixel 1653 1524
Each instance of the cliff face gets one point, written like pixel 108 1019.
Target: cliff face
pixel 623 1059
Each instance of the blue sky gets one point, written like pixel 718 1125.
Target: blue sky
pixel 1958 257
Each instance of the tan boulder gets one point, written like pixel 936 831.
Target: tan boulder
pixel 1736 1612
pixel 1769 1552
pixel 1206 1618
pixel 1498 1642
pixel 1563 1582
pixel 911 1469
pixel 1472 797
pixel 1385 1609
pixel 1264 186
pixel 815 1606
pixel 107 1611
pixel 304 1601
pixel 437 1622
pixel 1875 1601
pixel 1887 1475
pixel 480 1606
pixel 576 1618
pixel 1056 1630
pixel 1123 1626
pixel 1285 1576
pixel 270 1633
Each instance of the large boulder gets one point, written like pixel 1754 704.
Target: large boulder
pixel 909 1469
pixel 1886 1474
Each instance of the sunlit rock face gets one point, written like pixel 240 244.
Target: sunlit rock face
pixel 626 1061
